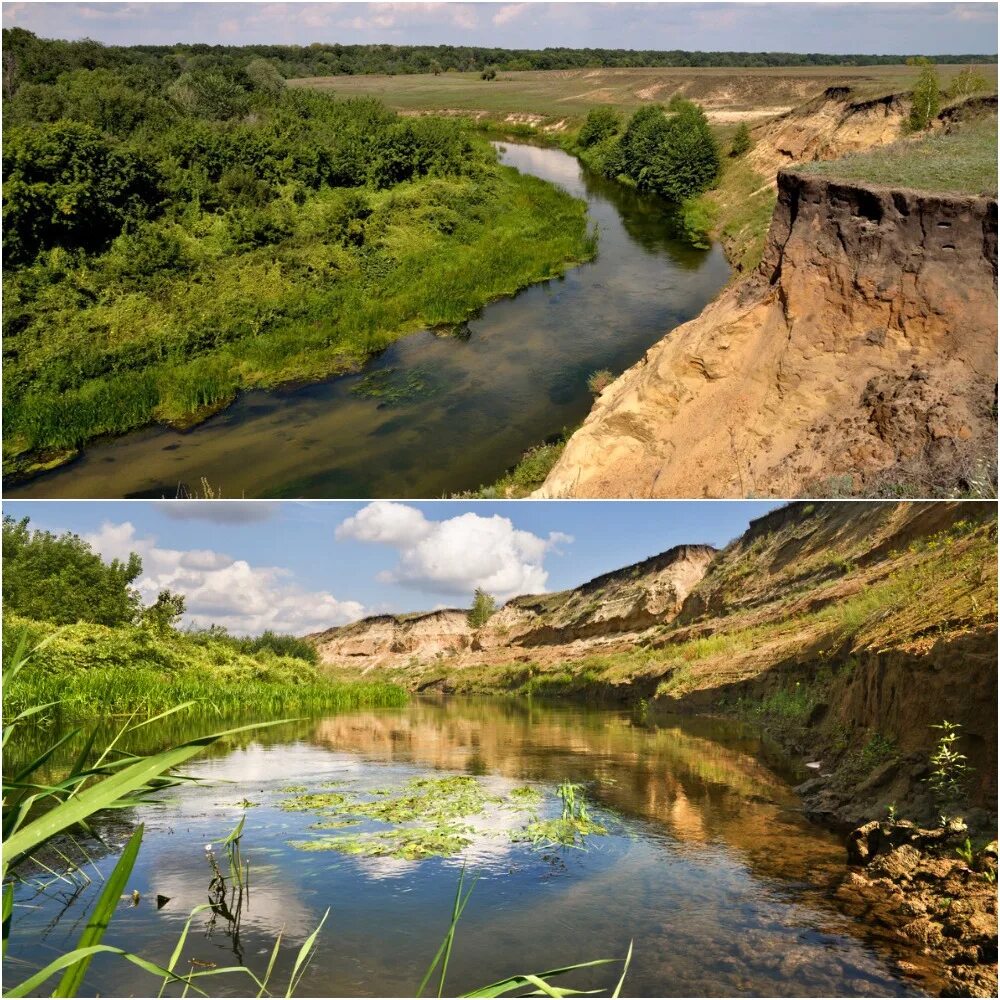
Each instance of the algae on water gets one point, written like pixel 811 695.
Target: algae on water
pixel 438 817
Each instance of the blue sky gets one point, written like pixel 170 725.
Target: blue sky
pixel 302 566
pixel 825 27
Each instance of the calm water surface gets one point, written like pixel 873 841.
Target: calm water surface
pixel 519 377
pixel 708 866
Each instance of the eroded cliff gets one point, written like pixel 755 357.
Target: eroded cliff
pixel 863 348
pixel 604 610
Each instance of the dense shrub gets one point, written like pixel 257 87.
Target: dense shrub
pixel 599 125
pixel 741 140
pixel 674 156
pixel 66 185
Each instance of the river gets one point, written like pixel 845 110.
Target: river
pixel 706 863
pixel 517 378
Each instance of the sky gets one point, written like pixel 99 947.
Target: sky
pixel 886 28
pixel 302 566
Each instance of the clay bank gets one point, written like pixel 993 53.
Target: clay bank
pixel 862 348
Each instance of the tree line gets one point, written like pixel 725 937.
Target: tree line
pixel 29 59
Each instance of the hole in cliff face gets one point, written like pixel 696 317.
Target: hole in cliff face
pixel 944 225
pixel 868 206
pixel 948 246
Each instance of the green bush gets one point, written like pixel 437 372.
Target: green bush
pixel 66 185
pixel 599 125
pixel 926 97
pixel 741 140
pixel 697 219
pixel 674 156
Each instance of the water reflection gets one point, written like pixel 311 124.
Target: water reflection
pixel 708 865
pixel 519 377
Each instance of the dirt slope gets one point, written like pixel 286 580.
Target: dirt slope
pixel 832 125
pixel 851 351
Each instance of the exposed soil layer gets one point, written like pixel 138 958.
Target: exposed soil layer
pixel 927 889
pixel 851 352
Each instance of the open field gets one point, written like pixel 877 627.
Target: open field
pixel 565 96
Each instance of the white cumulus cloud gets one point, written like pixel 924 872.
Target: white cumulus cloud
pixel 456 555
pixel 224 591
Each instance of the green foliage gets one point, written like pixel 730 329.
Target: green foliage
pixel 60 579
pixel 289 244
pixel 489 73
pixel 483 608
pixel 697 217
pixel 91 669
pixel 598 381
pixel 741 140
pixel 925 97
pixel 673 155
pixel 66 185
pixel 165 612
pixel 950 774
pixel 968 82
pixel 601 123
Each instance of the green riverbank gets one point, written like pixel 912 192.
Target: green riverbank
pixel 96 671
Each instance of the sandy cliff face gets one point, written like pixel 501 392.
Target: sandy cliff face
pixel 826 128
pixel 384 639
pixel 867 339
pixel 606 609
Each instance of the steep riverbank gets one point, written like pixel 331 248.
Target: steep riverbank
pixel 819 619
pixel 847 631
pixel 851 361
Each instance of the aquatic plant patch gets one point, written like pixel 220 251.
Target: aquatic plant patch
pixel 440 817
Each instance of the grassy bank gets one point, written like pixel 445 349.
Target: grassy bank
pixel 94 670
pixel 963 161
pixel 428 253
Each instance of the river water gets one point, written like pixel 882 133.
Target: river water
pixel 518 378
pixel 707 864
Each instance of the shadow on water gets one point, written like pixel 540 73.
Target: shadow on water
pixel 708 864
pixel 518 377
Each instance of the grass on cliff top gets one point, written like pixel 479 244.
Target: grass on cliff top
pixel 93 670
pixel 961 162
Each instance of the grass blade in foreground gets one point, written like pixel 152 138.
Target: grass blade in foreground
pixel 107 792
pixel 69 985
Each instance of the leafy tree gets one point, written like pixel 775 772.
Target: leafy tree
pixel 211 94
pixel 741 140
pixel 490 73
pixel 66 185
pixel 967 82
pixel 675 156
pixel 59 578
pixel 600 124
pixel 264 77
pixel 435 67
pixel 484 606
pixel 926 96
pixel 164 613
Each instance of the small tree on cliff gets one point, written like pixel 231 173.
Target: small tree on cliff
pixel 483 608
pixel 926 96
pixel 741 141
